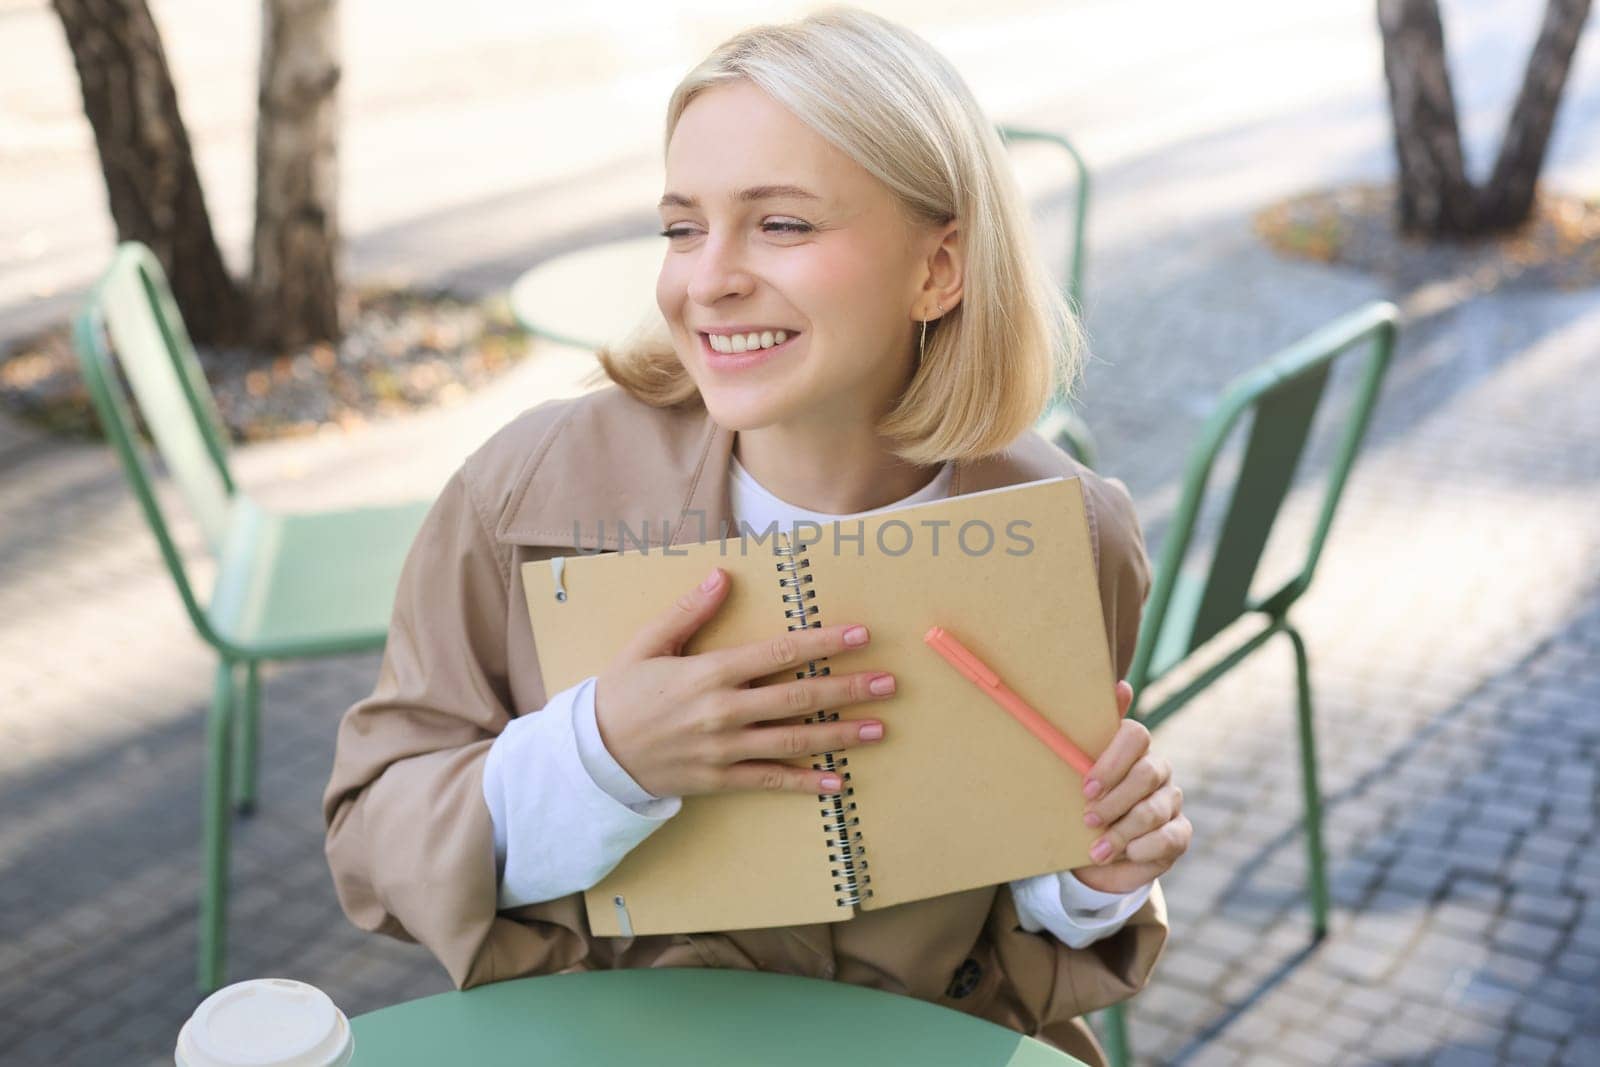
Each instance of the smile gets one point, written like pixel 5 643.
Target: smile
pixel 734 343
pixel 734 352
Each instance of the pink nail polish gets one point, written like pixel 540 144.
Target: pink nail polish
pixel 1101 851
pixel 1091 820
pixel 1091 789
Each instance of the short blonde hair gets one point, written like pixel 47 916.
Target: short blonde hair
pixel 887 99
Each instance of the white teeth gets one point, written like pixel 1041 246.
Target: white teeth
pixel 746 342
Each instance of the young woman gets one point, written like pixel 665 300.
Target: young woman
pixel 853 319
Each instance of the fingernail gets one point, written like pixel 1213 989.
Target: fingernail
pixel 1091 820
pixel 830 782
pixel 711 581
pixel 872 731
pixel 1091 789
pixel 856 635
pixel 882 685
pixel 1101 851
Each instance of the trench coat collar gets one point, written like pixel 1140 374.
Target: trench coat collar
pixel 663 473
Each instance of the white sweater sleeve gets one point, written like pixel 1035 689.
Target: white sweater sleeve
pixel 1074 913
pixel 564 811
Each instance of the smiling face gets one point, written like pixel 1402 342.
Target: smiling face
pixel 772 230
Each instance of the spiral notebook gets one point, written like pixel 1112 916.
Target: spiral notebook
pixel 956 796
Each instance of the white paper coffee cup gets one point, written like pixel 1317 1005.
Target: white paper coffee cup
pixel 266 1022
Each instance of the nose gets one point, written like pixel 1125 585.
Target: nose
pixel 719 271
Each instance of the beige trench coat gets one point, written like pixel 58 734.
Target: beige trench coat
pixel 409 838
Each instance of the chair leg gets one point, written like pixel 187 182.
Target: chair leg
pixel 1114 1035
pixel 246 739
pixel 1316 861
pixel 214 895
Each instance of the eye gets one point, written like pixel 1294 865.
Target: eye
pixel 784 226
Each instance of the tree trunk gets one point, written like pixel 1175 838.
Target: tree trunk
pixel 294 274
pixel 1435 197
pixel 1508 199
pixel 145 156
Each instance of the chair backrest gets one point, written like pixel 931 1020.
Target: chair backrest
pixel 130 319
pixel 1060 423
pixel 1072 265
pixel 1283 395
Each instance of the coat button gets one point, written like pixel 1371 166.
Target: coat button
pixel 965 980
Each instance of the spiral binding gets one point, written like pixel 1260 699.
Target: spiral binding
pixel 839 821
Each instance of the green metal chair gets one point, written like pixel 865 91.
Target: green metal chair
pixel 1060 423
pixel 1188 607
pixel 1072 265
pixel 288 586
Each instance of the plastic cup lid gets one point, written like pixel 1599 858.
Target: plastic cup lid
pixel 266 1022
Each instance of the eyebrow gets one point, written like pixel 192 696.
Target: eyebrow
pixel 745 196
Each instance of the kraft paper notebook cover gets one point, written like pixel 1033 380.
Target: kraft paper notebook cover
pixel 958 794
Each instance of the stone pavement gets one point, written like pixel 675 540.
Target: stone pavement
pixel 1454 627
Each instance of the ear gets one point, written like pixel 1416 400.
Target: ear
pixel 945 268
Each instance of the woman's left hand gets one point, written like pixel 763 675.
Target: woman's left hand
pixel 1139 809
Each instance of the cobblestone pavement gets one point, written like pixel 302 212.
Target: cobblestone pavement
pixel 1454 632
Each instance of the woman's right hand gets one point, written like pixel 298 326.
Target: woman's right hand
pixel 682 725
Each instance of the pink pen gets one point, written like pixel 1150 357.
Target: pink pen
pixel 985 679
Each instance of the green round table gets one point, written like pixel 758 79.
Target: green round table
pixel 684 1017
